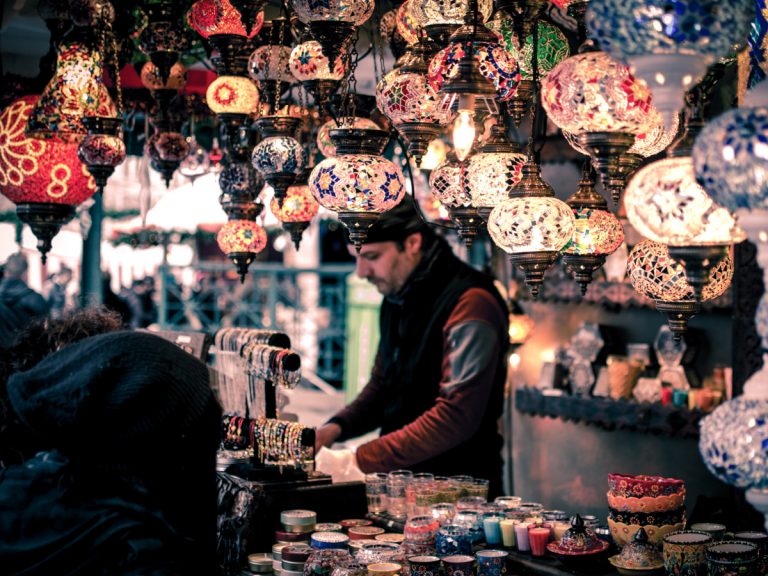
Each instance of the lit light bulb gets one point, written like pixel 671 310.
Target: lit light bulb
pixel 463 134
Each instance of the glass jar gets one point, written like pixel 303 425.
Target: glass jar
pixel 397 482
pixel 376 492
pixel 443 512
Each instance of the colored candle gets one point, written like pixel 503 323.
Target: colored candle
pixel 507 532
pixel 538 538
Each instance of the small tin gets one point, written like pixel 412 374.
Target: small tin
pixel 324 540
pixel 260 563
pixel 292 566
pixel 298 517
pixel 328 527
pixel 283 537
pixel 277 550
pixel 299 528
pixel 364 532
pixel 296 553
pixel 355 522
pixel 393 537
pixel 356 545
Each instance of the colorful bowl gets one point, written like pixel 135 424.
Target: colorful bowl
pixel 635 571
pixel 623 533
pixel 642 485
pixel 652 518
pixel 646 504
pixel 732 551
pixel 685 552
pixel 575 559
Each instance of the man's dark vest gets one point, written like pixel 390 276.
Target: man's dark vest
pixel 412 353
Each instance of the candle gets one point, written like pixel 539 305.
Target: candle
pixel 507 532
pixel 538 540
pixel 492 530
pixel 521 537
pixel 560 528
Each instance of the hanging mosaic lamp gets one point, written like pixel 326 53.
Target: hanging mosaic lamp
pixel 489 176
pixel 45 179
pixel 163 40
pixel 312 68
pixel 669 44
pixel 597 99
pixel 249 14
pixel 655 274
pixel 76 90
pixel 358 184
pixel 552 49
pixel 233 99
pixel 532 226
pixel 102 149
pixel 297 211
pixel 665 204
pixel 325 144
pixel 241 240
pixel 411 104
pixel 279 156
pixel 332 24
pixel 445 184
pixel 597 233
pixel 268 65
pixel 730 158
pixel 241 184
pixel 409 21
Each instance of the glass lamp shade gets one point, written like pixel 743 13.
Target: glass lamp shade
pixel 241 236
pixel 488 177
pixel 669 44
pixel 270 63
pixel 170 146
pixel 596 232
pixel 592 92
pixel 197 162
pixel 241 179
pixel 408 97
pixel 278 155
pixel 733 442
pixel 453 11
pixel 665 204
pixel 307 62
pixel 410 20
pixel 531 224
pixel 232 95
pixel 150 77
pixel 495 63
pixel 445 183
pixel 75 91
pixel 553 45
pixel 730 158
pixel 325 144
pixel 218 17
pixel 299 205
pixel 654 273
pixel 38 171
pixel 103 148
pixel 356 12
pixel 361 183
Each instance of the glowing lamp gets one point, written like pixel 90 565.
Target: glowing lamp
pixel 232 95
pixel 297 211
pixel 241 240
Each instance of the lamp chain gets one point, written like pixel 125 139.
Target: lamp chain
pixel 535 111
pixel 374 42
pixel 349 88
pixel 107 33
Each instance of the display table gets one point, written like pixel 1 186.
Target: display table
pixel 520 564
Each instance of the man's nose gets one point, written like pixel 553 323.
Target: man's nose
pixel 361 268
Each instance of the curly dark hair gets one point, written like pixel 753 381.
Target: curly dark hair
pixel 40 338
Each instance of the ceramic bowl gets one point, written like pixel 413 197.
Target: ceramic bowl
pixel 580 559
pixel 732 551
pixel 634 571
pixel 639 554
pixel 684 552
pixel 652 518
pixel 640 486
pixel 646 504
pixel 623 533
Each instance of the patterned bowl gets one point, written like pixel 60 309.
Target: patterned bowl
pixel 646 504
pixel 640 486
pixel 638 557
pixel 652 518
pixel 633 571
pixel 578 559
pixel 623 533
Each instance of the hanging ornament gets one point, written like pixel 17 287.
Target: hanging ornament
pixel 279 156
pixel 312 68
pixel 163 39
pixel 103 148
pixel 241 240
pixel 445 184
pixel 297 211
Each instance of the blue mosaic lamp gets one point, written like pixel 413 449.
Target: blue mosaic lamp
pixel 358 184
pixel 733 440
pixel 730 158
pixel 669 43
pixel 279 156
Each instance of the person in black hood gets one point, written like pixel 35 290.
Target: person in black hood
pixel 437 383
pixel 128 485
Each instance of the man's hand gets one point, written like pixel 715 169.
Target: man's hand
pixel 326 435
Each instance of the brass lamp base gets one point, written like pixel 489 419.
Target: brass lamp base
pixel 534 265
pixel 616 183
pixel 45 219
pixel 357 224
pixel 582 266
pixel 321 90
pixel 332 35
pixel 467 221
pixel 605 148
pixel 678 315
pixel 295 229
pixel 519 104
pixel 418 135
pixel 242 260
pixel 280 182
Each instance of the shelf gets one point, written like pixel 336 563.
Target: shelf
pixel 611 414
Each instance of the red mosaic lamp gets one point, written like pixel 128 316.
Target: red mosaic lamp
pixel 241 240
pixel 297 211
pixel 45 179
